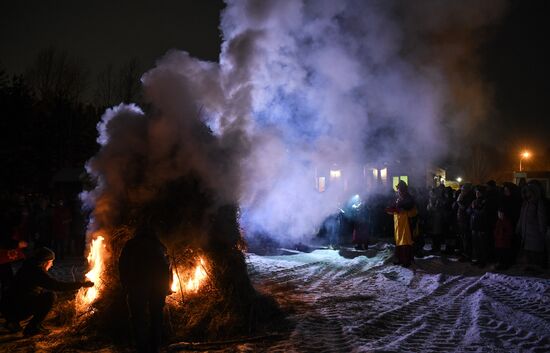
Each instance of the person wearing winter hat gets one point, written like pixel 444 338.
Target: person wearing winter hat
pixel 404 218
pixel 31 294
pixel 480 227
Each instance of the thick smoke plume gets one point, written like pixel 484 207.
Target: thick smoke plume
pixel 142 153
pixel 300 86
pixel 351 83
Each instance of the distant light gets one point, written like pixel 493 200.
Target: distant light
pixel 355 201
pixel 322 184
pixel 335 174
pixel 459 179
pixel 384 175
pixel 526 154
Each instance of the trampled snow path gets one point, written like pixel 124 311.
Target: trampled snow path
pixel 366 305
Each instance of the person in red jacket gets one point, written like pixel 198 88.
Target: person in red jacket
pixel 503 234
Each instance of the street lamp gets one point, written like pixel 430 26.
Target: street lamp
pixel 524 155
pixel 459 180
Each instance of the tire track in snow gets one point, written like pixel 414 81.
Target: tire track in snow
pixel 426 324
pixel 389 309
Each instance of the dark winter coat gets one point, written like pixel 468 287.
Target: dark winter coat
pixel 491 207
pixel 533 221
pixel 144 265
pixel 503 234
pixel 437 212
pixel 511 206
pixel 31 280
pixel 479 221
pixel 360 233
pixel 462 205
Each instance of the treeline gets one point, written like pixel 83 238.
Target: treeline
pixel 49 113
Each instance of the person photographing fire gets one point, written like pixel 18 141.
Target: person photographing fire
pixel 145 275
pixel 31 293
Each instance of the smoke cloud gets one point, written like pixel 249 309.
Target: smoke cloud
pixel 300 86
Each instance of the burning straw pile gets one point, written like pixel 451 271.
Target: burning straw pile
pixel 212 295
pixel 168 166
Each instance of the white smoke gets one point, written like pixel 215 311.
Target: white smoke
pixel 302 85
pixel 333 78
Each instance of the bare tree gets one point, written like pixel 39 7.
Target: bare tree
pixel 116 87
pixel 129 84
pixel 106 87
pixel 482 163
pixel 55 75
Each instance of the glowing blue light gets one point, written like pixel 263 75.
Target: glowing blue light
pixel 355 201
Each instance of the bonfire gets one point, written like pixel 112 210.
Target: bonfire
pixel 211 296
pixel 185 281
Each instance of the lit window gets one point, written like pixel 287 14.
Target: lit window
pixel 384 175
pixel 322 184
pixel 395 180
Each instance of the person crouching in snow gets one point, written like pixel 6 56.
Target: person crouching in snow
pixel 404 211
pixel 31 293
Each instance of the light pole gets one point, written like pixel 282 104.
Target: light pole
pixel 524 155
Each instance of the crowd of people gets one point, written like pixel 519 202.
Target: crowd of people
pixel 481 224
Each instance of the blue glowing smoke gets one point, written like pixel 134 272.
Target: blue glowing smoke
pixel 304 85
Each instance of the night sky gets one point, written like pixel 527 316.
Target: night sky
pixel 101 32
pixel 515 61
pixel 517 66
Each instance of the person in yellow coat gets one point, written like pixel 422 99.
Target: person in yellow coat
pixel 404 222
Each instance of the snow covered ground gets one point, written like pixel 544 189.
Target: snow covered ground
pixel 369 305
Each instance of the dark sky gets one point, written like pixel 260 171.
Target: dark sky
pixel 515 61
pixel 100 32
pixel 517 66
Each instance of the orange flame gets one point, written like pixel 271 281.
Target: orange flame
pixel 175 282
pixel 96 260
pixel 192 280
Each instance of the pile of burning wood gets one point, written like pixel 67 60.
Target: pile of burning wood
pixel 212 297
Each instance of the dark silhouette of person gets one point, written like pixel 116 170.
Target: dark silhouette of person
pixel 145 275
pixel 31 293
